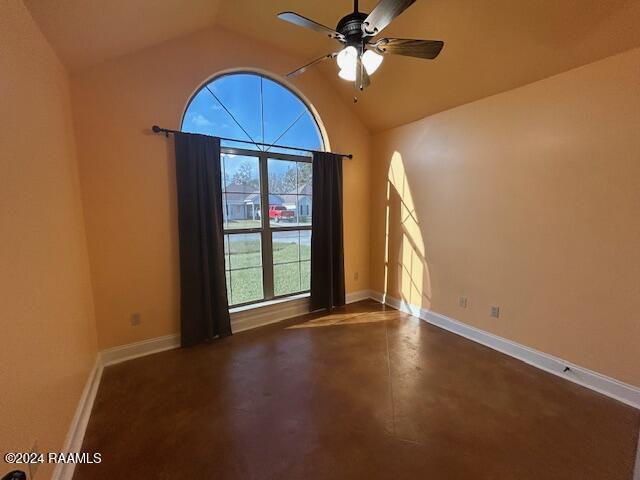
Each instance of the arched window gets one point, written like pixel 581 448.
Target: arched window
pixel 266 190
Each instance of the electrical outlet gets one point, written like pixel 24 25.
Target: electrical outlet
pixel 355 276
pixel 462 302
pixel 33 467
pixel 495 312
pixel 135 319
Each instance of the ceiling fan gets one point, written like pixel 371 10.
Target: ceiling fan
pixel 362 53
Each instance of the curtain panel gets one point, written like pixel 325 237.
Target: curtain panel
pixel 204 309
pixel 327 245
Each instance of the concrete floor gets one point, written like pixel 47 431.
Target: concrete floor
pixel 367 393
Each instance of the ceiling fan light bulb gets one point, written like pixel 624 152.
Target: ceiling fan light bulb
pixel 348 74
pixel 347 58
pixel 371 61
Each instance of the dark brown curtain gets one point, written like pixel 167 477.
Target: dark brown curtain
pixel 327 250
pixel 204 309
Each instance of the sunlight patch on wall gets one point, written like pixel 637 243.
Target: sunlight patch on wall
pixel 412 269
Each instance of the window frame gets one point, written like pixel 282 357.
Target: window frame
pixel 322 133
pixel 266 229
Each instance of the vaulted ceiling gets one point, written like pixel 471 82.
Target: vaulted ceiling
pixel 490 45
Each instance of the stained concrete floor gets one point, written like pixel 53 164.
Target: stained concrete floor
pixel 366 393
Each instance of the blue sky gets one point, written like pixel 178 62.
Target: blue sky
pixel 241 94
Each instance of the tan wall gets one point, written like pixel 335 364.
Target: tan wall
pixel 128 178
pixel 528 200
pixel 46 320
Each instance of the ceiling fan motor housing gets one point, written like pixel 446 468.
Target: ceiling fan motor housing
pixel 351 27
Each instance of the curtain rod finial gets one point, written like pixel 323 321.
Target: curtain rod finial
pixel 156 129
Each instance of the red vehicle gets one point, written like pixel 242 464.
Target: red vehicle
pixel 280 212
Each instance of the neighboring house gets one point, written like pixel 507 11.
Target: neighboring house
pixel 300 201
pixel 242 202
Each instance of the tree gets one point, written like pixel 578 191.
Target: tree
pixel 275 182
pixel 304 174
pixel 244 176
pixel 290 180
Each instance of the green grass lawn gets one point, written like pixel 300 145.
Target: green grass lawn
pixel 246 285
pixel 243 224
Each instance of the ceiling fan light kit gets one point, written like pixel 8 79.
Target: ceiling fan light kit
pixel 347 60
pixel 362 54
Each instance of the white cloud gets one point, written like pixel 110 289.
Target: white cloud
pixel 201 121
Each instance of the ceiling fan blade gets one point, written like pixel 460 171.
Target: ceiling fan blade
pixel 362 77
pixel 303 69
pixel 383 14
pixel 301 21
pixel 428 49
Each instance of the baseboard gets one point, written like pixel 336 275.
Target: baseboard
pixel 114 355
pixel 275 313
pixel 240 322
pixel 587 378
pixel 75 435
pixel 358 296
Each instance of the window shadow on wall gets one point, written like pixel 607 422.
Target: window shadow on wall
pixel 406 272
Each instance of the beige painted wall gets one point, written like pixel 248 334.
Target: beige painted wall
pixel 46 320
pixel 128 178
pixel 528 200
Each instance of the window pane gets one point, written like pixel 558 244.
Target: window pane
pixel 244 278
pixel 283 176
pixel 205 115
pixel 241 173
pixel 305 275
pixel 281 109
pixel 304 178
pixel 283 215
pixel 305 244
pixel 283 187
pixel 226 253
pixel 246 285
pixel 241 182
pixel 241 210
pixel 304 133
pixel 240 94
pixel 286 278
pixel 304 209
pixel 285 246
pixel 245 250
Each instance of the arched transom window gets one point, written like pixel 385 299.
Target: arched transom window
pixel 267 192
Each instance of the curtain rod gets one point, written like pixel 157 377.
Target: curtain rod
pixel 167 131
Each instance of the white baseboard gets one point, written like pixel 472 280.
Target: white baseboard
pixel 75 435
pixel 587 378
pixel 358 296
pixel 245 320
pixel 114 355
pixel 241 321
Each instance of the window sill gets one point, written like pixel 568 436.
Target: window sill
pixel 258 314
pixel 268 303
